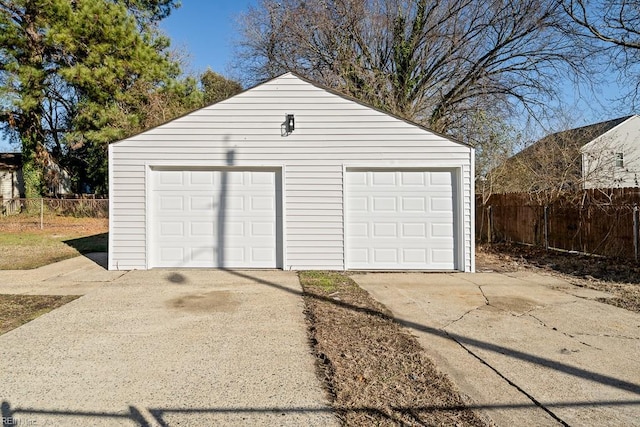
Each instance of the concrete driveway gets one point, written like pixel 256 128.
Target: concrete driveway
pixel 525 348
pixel 160 348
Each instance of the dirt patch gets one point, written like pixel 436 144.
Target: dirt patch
pixel 619 277
pixel 16 310
pixel 375 372
pixel 513 304
pixel 220 301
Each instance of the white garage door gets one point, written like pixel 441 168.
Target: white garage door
pixel 214 218
pixel 400 219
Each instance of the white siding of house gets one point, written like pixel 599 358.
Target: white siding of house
pixel 331 132
pixel 9 184
pixel 6 184
pixel 599 168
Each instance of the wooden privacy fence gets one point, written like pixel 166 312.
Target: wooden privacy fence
pixel 593 222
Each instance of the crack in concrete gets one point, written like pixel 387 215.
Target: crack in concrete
pixel 508 381
pixel 463 316
pixel 573 337
pixel 622 337
pixel 584 334
pixel 486 303
pixel 494 369
pixel 486 299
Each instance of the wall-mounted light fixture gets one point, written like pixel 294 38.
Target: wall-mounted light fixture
pixel 289 123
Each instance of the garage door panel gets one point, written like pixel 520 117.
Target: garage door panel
pixel 168 178
pixel 400 220
pixel 415 230
pixel 442 179
pixel 197 228
pixel 385 229
pixel 444 230
pixel 384 256
pixel 202 203
pixel 384 204
pixel 171 255
pixel 263 203
pixel 171 203
pixel 171 229
pixel 415 256
pixel 413 179
pixel 414 204
pixel 440 204
pixel 201 178
pixel 216 219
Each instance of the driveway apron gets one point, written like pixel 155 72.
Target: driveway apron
pixel 164 348
pixel 525 348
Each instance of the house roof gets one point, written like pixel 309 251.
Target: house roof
pixel 325 88
pixel 574 138
pixel 10 161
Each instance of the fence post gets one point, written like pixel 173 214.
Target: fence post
pixel 635 232
pixel 546 227
pixel 489 223
pixel 41 213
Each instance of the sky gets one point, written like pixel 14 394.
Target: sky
pixel 206 29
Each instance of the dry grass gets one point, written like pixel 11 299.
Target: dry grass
pixel 16 310
pixel 24 245
pixel 616 276
pixel 376 373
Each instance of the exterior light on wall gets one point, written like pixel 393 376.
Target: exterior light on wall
pixel 290 123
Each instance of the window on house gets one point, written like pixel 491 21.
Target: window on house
pixel 619 160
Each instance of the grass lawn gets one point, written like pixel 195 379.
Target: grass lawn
pixel 24 245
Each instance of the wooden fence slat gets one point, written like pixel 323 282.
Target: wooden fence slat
pixel 599 221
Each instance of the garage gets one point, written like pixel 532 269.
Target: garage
pixel 214 218
pixel 400 219
pixel 291 175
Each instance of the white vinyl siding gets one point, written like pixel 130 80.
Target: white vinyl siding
pixel 330 132
pixel 612 160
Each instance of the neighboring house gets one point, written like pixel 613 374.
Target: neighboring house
pixel 613 158
pixel 291 175
pixel 57 179
pixel 11 183
pixel 601 155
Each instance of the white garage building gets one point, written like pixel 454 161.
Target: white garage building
pixel 291 175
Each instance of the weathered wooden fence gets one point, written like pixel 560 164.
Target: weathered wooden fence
pixel 603 222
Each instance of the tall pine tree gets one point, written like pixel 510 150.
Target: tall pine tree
pixel 77 75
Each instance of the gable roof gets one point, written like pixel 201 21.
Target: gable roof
pixel 10 161
pixel 364 104
pixel 574 138
pixel 321 87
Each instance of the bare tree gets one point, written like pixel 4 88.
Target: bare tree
pixel 437 63
pixel 612 26
pixel 494 141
